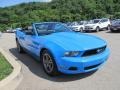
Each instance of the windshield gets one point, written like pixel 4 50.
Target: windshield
pixel 96 21
pixel 81 23
pixel 49 28
pixel 89 22
pixel 93 21
pixel 74 23
pixel 116 22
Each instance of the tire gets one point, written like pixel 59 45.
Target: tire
pixel 97 29
pixel 19 47
pixel 108 27
pixel 81 29
pixel 49 64
pixel 112 30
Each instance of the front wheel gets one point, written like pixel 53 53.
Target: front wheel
pixel 97 29
pixel 49 63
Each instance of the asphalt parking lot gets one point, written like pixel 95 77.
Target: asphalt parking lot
pixel 34 78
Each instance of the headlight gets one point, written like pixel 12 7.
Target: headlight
pixel 72 53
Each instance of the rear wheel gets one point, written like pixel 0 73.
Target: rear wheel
pixel 108 27
pixel 81 29
pixel 19 48
pixel 49 63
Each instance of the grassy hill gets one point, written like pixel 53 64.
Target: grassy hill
pixel 58 10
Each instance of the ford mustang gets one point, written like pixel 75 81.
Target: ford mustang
pixel 62 50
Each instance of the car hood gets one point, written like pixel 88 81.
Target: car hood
pixel 72 41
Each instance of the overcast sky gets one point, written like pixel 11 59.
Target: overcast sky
pixel 5 3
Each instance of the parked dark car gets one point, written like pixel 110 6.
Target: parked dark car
pixel 115 25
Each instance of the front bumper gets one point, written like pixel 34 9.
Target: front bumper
pixel 89 29
pixel 115 28
pixel 75 28
pixel 75 65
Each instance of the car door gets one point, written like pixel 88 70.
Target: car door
pixel 104 23
pixel 31 41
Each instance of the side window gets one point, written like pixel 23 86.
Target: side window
pixel 104 20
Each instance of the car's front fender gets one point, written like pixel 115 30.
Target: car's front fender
pixel 55 50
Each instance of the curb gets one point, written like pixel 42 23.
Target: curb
pixel 13 80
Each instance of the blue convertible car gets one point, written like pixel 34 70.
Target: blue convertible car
pixel 62 50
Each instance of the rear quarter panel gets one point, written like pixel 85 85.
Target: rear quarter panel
pixel 20 37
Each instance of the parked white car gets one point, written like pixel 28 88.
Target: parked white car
pixel 78 26
pixel 11 31
pixel 98 24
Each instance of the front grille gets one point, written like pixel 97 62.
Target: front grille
pixel 93 51
pixel 88 27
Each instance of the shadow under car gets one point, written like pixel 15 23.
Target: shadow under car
pixel 36 68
